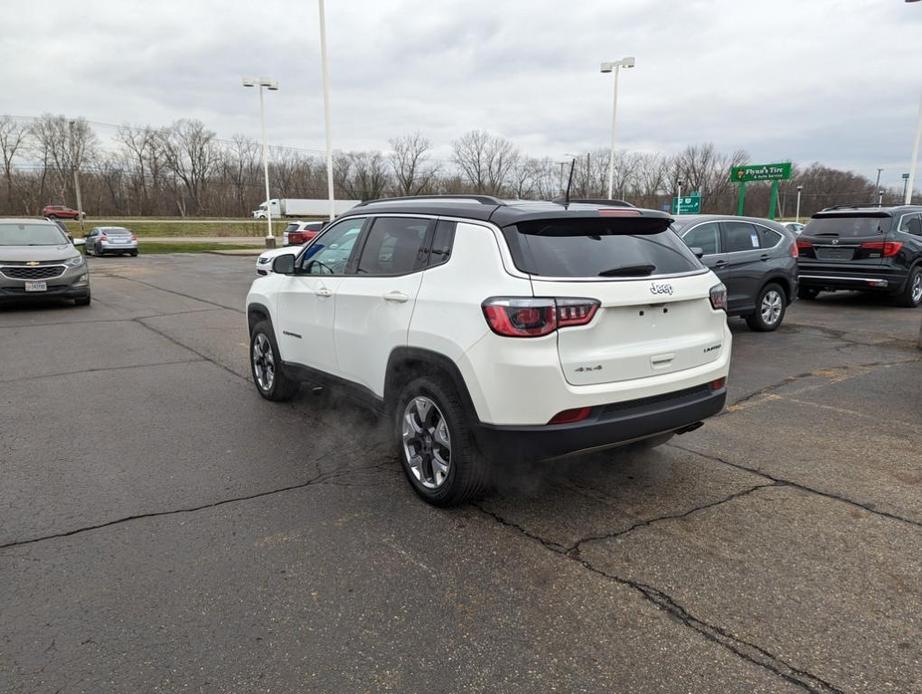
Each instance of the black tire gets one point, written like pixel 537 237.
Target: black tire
pixel 83 300
pixel 468 470
pixel 911 296
pixel 52 216
pixel 771 305
pixel 807 293
pixel 280 386
pixel 133 254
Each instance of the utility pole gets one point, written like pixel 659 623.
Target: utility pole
pixel 325 74
pixel 76 162
pixel 907 196
pixel 797 214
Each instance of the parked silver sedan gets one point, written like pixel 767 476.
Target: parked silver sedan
pixel 118 240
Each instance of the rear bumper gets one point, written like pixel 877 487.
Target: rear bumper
pixel 861 277
pixel 607 426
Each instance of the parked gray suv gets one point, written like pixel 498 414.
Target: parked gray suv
pixel 38 261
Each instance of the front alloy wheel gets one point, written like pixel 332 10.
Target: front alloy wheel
pixel 426 442
pixel 263 362
pixel 772 305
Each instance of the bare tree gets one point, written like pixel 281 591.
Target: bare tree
pixel 240 167
pixel 144 161
pixel 485 160
pixel 191 156
pixel 412 172
pixel 361 175
pixel 66 145
pixel 12 138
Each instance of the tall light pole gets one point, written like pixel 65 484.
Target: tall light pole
pixel 272 86
pixel 907 196
pixel 326 107
pixel 678 198
pixel 614 66
pixel 797 214
pixel 77 161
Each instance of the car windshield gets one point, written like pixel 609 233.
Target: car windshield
pixel 31 235
pixel 598 248
pixel 847 226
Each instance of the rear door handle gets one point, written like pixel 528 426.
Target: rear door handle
pixel 764 256
pixel 323 291
pixel 720 263
pixel 396 296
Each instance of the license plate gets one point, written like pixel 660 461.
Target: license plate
pixel 36 286
pixel 835 253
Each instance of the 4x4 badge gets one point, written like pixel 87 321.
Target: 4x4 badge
pixel 661 288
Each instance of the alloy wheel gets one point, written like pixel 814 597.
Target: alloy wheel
pixel 426 442
pixel 263 362
pixel 772 305
pixel 917 288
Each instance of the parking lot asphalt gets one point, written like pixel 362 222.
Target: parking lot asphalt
pixel 164 529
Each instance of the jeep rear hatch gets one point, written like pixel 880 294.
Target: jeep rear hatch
pixel 654 312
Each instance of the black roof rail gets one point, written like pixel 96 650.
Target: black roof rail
pixel 481 199
pixel 853 206
pixel 597 201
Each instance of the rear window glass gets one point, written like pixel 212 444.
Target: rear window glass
pixel 847 226
pixel 291 227
pixel 740 236
pixel 116 231
pixel 598 248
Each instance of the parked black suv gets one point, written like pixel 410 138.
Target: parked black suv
pixel 755 258
pixel 874 249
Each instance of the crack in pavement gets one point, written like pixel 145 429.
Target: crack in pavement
pixel 743 649
pixel 797 485
pixel 205 357
pixel 840 372
pixel 575 548
pixel 173 291
pixel 93 321
pixel 319 478
pixel 98 370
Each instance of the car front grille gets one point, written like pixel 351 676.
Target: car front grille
pixel 40 272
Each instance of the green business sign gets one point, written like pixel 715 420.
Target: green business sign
pixel 687 204
pixel 760 172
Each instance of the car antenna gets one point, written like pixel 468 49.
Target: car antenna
pixel 566 201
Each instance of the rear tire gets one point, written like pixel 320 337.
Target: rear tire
pixel 911 296
pixel 133 254
pixel 266 365
pixel 771 305
pixel 807 293
pixel 436 444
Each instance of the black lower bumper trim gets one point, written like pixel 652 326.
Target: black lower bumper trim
pixel 609 425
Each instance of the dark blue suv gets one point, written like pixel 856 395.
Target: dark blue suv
pixel 755 258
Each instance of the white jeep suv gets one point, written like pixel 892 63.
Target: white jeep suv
pixel 493 331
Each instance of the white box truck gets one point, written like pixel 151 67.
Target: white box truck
pixel 301 207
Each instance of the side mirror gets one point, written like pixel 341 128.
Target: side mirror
pixel 78 242
pixel 284 264
pixel 699 252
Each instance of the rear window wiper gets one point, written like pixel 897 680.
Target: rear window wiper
pixel 629 271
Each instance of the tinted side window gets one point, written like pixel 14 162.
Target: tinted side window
pixel 329 254
pixel 740 236
pixel 706 237
pixel 442 243
pixel 768 238
pixel 395 246
pixel 912 224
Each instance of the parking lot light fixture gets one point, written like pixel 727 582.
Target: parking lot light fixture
pixel 797 213
pixel 264 83
pixel 913 163
pixel 614 66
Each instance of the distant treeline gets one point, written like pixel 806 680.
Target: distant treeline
pixel 185 170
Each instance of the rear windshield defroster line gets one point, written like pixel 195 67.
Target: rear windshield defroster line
pixel 593 247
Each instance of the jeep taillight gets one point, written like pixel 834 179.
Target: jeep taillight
pixel 534 317
pixel 719 297
pixel 803 244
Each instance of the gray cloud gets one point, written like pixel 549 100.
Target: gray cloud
pixel 810 81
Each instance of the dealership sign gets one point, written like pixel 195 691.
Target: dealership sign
pixel 760 172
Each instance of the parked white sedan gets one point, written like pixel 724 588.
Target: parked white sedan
pixel 264 261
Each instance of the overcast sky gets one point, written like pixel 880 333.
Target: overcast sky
pixel 819 80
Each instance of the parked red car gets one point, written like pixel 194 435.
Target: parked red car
pixel 297 233
pixel 61 212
